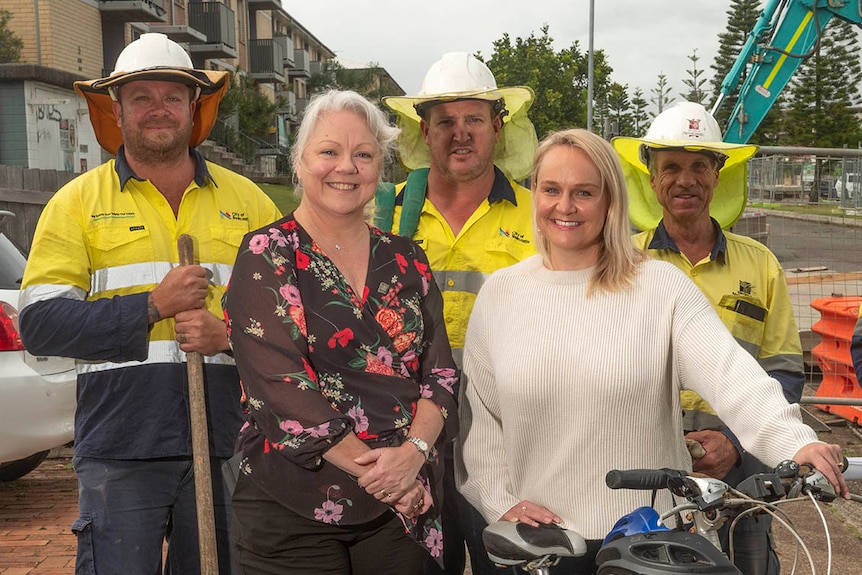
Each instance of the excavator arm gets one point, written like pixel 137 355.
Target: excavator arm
pixel 786 32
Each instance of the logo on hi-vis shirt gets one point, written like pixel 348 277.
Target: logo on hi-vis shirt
pixel 234 216
pixel 517 236
pixel 745 288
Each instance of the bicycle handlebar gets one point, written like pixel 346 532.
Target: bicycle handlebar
pixel 645 479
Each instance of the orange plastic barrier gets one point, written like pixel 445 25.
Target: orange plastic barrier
pixel 835 327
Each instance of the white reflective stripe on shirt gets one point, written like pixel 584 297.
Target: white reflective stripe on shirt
pixel 456 280
pixel 158 352
pixel 148 273
pixel 36 293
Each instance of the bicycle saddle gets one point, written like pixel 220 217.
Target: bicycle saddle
pixel 510 543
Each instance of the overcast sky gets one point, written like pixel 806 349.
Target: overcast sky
pixel 641 38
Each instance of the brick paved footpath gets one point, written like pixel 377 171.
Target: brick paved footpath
pixel 36 514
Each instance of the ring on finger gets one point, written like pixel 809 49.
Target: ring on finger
pixel 523 508
pixel 385 494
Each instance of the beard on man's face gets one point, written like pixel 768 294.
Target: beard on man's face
pixel 156 147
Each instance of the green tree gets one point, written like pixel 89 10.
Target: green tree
pixel 695 81
pixel 822 91
pixel 661 95
pixel 638 110
pixel 246 117
pixel 619 110
pixel 10 44
pixel 256 112
pixel 371 81
pixel 741 17
pixel 559 79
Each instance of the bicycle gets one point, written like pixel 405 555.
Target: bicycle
pixel 641 543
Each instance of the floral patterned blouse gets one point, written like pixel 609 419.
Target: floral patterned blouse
pixel 318 360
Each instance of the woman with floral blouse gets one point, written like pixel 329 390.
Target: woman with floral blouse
pixel 338 334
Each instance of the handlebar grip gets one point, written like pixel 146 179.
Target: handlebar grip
pixel 646 479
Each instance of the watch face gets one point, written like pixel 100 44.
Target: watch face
pixel 420 443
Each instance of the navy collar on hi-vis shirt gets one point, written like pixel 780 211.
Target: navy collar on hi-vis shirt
pixel 501 189
pixel 662 241
pixel 125 172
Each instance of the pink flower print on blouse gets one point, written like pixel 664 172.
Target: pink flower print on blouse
pixel 321 430
pixel 446 378
pixel 329 512
pixel 291 426
pixel 291 294
pixel 434 542
pixel 360 420
pixel 278 237
pixel 258 243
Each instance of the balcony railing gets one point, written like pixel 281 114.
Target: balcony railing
pixel 216 21
pixel 289 106
pixel 289 55
pixel 266 59
pixel 301 68
pixel 133 10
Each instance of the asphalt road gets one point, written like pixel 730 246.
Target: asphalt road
pixel 804 244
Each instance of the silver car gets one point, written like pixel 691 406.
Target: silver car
pixel 37 409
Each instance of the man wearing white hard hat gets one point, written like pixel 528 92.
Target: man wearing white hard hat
pixel 103 285
pixel 466 142
pixel 686 188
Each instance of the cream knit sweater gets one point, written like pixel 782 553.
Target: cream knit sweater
pixel 558 389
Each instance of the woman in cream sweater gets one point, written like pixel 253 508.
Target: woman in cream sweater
pixel 574 360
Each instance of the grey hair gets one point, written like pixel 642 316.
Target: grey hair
pixel 337 101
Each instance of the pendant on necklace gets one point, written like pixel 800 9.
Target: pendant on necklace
pixel 338 247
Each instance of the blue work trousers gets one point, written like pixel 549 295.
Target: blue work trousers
pixel 128 509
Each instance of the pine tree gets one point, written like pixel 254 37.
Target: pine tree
pixel 695 81
pixel 619 110
pixel 822 91
pixel 741 17
pixel 640 118
pixel 662 94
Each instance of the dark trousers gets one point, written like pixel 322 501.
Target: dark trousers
pixel 271 539
pixel 753 546
pixel 127 509
pixel 462 526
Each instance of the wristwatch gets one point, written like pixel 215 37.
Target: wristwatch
pixel 421 446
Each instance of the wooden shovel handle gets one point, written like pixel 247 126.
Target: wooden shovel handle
pixel 200 441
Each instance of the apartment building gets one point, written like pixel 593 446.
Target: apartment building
pixel 44 124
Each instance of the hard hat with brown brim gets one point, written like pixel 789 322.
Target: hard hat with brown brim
pixel 687 126
pixel 462 76
pixel 153 56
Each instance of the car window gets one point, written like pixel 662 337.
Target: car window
pixel 12 264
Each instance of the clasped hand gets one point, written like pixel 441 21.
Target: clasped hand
pixel 392 478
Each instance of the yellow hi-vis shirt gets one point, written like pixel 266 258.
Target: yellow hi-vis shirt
pixel 103 242
pixel 745 284
pixel 498 234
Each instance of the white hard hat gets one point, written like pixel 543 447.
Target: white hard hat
pixel 458 74
pixel 685 126
pixel 462 76
pixel 151 51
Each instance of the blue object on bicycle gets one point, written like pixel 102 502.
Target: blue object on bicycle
pixel 641 520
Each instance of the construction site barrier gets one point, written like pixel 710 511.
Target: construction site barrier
pixel 835 327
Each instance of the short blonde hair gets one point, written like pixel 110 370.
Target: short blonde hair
pixel 618 257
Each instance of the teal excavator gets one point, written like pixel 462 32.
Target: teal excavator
pixel 786 32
